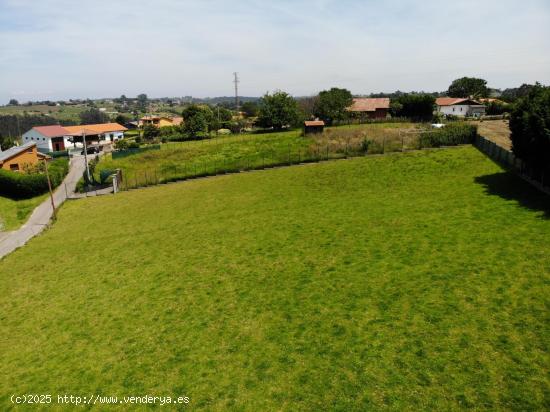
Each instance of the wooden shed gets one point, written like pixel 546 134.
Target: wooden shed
pixel 313 126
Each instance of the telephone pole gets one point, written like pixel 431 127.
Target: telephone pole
pixel 236 81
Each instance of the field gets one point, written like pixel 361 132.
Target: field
pixel 60 113
pixel 177 160
pixel 13 213
pixel 496 131
pixel 414 281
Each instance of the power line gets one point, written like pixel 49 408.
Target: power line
pixel 236 81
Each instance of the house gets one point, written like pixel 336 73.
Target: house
pixel 48 138
pixel 57 138
pixel 161 121
pixel 17 157
pixel 313 126
pixel 371 108
pixel 109 132
pixel 459 106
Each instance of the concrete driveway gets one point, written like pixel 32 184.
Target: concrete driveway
pixel 40 217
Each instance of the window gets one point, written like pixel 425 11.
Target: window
pixel 14 167
pixel 30 150
pixel 453 109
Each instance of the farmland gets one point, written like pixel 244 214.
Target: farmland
pixel 496 131
pixel 411 281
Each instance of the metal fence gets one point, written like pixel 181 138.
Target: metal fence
pixel 510 161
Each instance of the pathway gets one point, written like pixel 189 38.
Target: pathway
pixel 41 216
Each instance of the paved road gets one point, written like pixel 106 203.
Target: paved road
pixel 41 216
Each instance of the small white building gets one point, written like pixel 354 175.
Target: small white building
pixel 49 138
pixel 458 106
pixel 57 138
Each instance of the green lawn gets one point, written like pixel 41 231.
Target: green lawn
pixel 13 213
pixel 415 281
pixel 183 159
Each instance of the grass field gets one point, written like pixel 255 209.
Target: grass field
pixel 13 213
pixel 252 150
pixel 414 281
pixel 59 112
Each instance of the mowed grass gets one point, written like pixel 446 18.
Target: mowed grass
pixel 13 213
pixel 415 281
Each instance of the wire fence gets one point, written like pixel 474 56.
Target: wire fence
pixel 510 161
pixel 319 150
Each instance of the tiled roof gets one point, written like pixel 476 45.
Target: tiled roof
pixel 449 101
pixel 368 104
pixel 15 150
pixel 95 128
pixel 51 131
pixel 314 123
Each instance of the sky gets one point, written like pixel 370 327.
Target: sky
pixel 61 49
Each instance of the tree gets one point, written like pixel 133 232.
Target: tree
pixel 277 110
pixel 196 120
pixel 121 119
pixel 250 109
pixel 142 101
pixel 150 132
pixel 530 127
pixel 332 104
pixel 496 108
pixel 415 106
pixel 307 105
pixel 13 102
pixel 512 94
pixel 93 116
pixel 468 86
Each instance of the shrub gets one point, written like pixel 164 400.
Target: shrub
pixel 23 186
pixel 451 135
pixel 530 127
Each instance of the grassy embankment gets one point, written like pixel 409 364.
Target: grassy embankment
pixel 178 160
pixel 415 281
pixel 13 213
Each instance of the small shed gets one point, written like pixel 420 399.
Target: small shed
pixel 313 126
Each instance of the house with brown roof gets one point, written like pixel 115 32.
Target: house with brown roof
pixel 17 157
pixel 459 106
pixel 107 132
pixel 57 138
pixel 371 108
pixel 48 138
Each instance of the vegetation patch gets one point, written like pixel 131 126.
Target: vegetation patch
pixel 16 185
pixel 414 281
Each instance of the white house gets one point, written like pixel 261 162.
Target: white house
pixel 48 138
pixel 56 138
pixel 458 106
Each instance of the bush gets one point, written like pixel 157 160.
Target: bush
pixel 451 135
pixel 530 127
pixel 23 186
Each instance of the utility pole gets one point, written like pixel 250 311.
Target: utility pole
pixel 236 81
pixel 86 156
pixel 50 188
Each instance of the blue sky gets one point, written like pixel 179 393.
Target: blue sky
pixel 60 49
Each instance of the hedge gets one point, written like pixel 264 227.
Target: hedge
pixel 451 135
pixel 17 185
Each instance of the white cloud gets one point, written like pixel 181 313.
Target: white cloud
pixel 175 48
